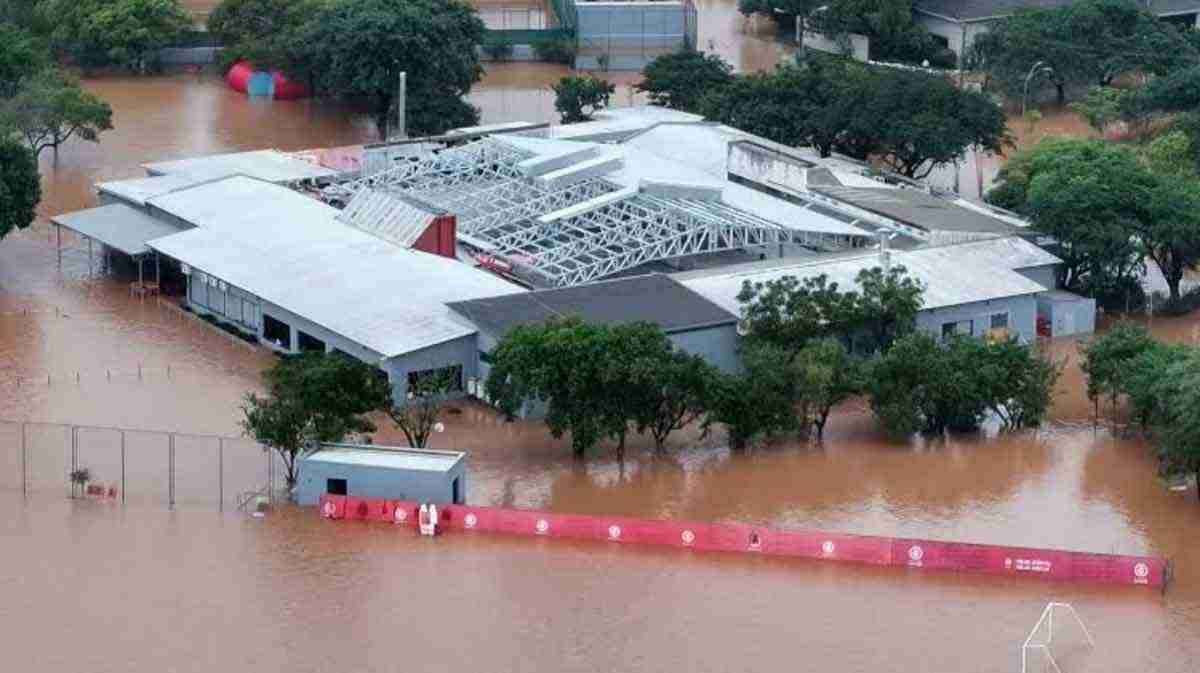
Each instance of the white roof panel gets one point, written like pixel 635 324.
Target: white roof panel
pixel 269 165
pixel 290 250
pixel 390 458
pixel 952 274
pixel 117 226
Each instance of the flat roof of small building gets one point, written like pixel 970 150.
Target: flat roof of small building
pixel 387 457
pixel 118 226
pixel 653 298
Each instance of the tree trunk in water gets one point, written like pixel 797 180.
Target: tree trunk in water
pixel 1062 94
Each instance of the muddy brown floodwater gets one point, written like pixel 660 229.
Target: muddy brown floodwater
pixel 137 588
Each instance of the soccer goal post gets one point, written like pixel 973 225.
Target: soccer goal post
pixel 1042 634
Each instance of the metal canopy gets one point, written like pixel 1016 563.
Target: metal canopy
pixel 571 232
pixel 117 226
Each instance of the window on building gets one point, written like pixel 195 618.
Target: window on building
pixel 964 327
pixel 453 374
pixel 277 332
pixel 999 320
pixel 336 486
pixel 308 342
pixel 485 357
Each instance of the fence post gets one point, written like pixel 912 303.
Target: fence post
pixel 220 474
pixel 24 460
pixel 171 470
pixel 122 466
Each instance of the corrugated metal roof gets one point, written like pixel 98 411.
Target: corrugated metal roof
pixel 653 298
pixel 291 251
pixel 269 165
pixel 386 215
pixel 140 190
pixel 952 274
pixel 117 226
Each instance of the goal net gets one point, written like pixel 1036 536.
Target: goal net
pixel 1057 632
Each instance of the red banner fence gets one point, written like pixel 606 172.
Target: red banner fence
pixel 728 537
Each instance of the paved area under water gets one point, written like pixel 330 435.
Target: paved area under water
pixel 92 586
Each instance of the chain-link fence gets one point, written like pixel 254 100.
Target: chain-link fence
pixel 137 466
pixel 627 36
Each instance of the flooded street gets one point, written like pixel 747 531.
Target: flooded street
pixel 103 587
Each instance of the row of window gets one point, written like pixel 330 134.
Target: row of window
pixel 209 293
pixel 967 327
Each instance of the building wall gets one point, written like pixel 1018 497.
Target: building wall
pixel 1022 316
pixel 462 351
pixel 1068 318
pixel 1045 275
pixel 367 481
pixel 717 345
pixel 958 36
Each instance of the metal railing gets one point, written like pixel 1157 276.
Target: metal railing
pixel 141 466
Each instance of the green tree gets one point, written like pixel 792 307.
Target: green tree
pixel 1103 106
pixel 261 31
pixel 1178 91
pixel 681 78
pixel 1017 381
pixel 20 188
pixel 1083 42
pixel 312 398
pixel 760 400
pixel 826 375
pixel 802 10
pixel 122 32
pixel 1179 426
pixel 1092 197
pixel 418 414
pixel 52 108
pixel 21 56
pixel 923 386
pixel 577 98
pixel 1107 357
pixel 674 390
pixel 889 26
pixel 888 303
pixel 356 50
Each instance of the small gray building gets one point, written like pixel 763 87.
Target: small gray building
pixel 390 473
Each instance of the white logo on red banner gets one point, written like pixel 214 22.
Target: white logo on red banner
pixel 330 510
pixel 401 514
pixel 1141 570
pixel 542 526
pixel 470 520
pixel 614 532
pixel 915 553
pixel 827 548
pixel 688 537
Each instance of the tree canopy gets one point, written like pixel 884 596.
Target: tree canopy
pixel 1107 209
pixel 889 26
pixel 912 121
pixel 51 108
pixel 313 397
pixel 1083 42
pixel 122 32
pixel 679 79
pixel 356 49
pixel 577 98
pixel 21 56
pixel 261 31
pixel 20 188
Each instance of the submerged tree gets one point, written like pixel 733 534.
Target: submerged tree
pixel 681 78
pixel 313 398
pixel 51 108
pixel 122 32
pixel 418 414
pixel 20 187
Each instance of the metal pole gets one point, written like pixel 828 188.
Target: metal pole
pixel 122 466
pixel 89 258
pixel 221 474
pixel 24 460
pixel 74 454
pixel 58 243
pixel 171 471
pixel 401 103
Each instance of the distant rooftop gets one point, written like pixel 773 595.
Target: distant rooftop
pixel 269 165
pixel 653 298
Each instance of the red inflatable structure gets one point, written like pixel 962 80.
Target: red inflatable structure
pixel 244 78
pixel 886 551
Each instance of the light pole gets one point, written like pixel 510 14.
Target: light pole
pixel 1039 68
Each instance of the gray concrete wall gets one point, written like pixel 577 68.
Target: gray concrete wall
pixel 366 481
pixel 1022 316
pixel 462 351
pixel 1045 275
pixel 717 345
